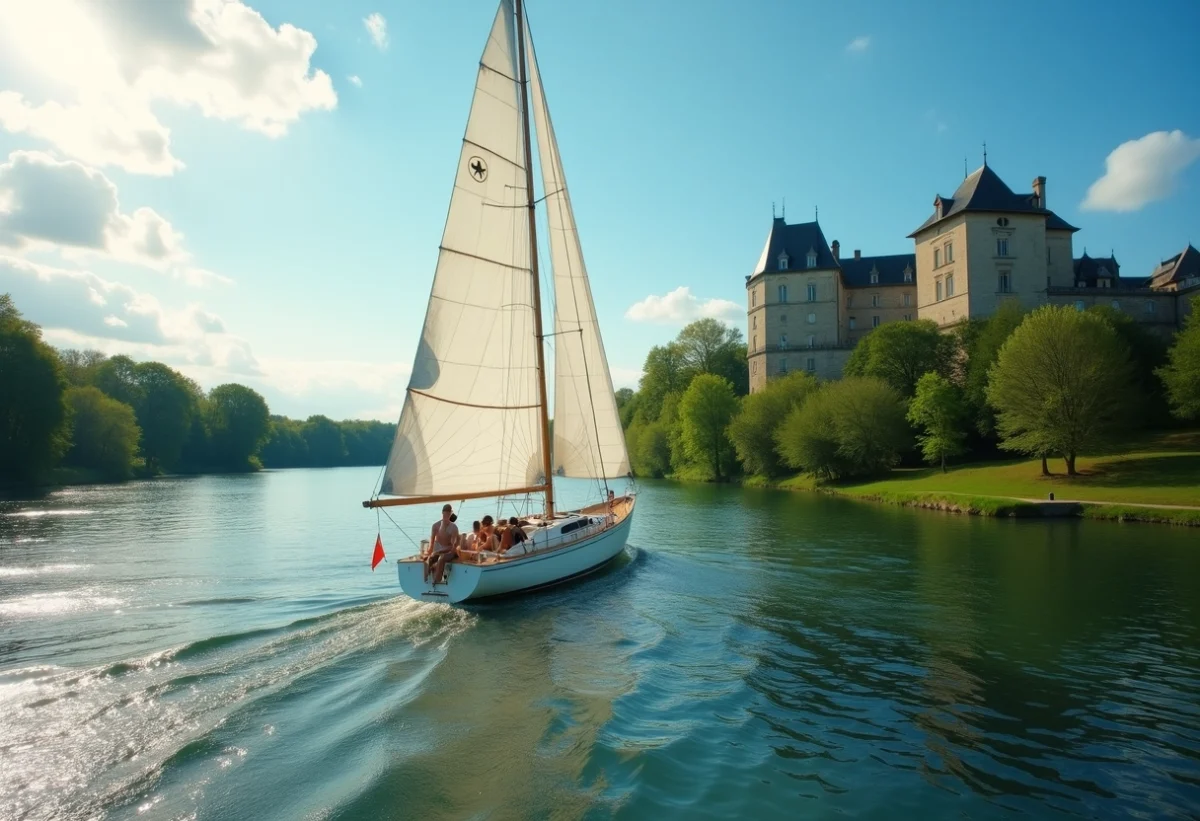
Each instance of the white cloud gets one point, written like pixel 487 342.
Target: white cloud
pixel 625 377
pixel 377 27
pixel 115 59
pixel 356 80
pixel 67 204
pixel 1141 171
pixel 858 45
pixel 682 306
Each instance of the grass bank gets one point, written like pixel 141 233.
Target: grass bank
pixel 1153 479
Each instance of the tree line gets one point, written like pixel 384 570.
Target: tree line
pixel 1053 382
pixel 112 418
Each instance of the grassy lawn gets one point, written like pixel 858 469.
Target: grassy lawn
pixel 1163 469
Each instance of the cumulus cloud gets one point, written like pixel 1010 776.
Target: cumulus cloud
pixel 377 28
pixel 682 306
pixel 65 203
pixel 625 377
pixel 1142 171
pixel 858 45
pixel 117 58
pixel 77 307
pixel 355 80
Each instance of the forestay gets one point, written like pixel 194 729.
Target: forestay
pixel 588 439
pixel 470 420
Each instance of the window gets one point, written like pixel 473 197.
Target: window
pixel 908 317
pixel 849 300
pixel 753 297
pixel 783 261
pixel 950 286
pixel 754 367
pixel 783 340
pixel 783 319
pixel 1002 247
pixel 874 300
pixel 907 299
pixel 783 366
pixel 939 290
pixel 811 364
pixel 1079 304
pixel 937 257
pixel 875 321
pixel 1004 285
pixel 812 319
pixel 812 341
pixel 853 323
pixel 874 278
pixel 1047 255
pixel 812 259
pixel 1149 306
pixel 754 322
pixel 783 293
pixel 949 252
pixel 908 274
pixel 754 342
pixel 1116 305
pixel 812 293
pixel 1102 283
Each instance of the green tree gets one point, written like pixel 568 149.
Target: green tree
pixel 34 417
pixel 939 409
pixel 981 340
pixel 705 410
pixel 666 371
pixel 1061 384
pixel 105 433
pixel 852 427
pixel 285 446
pixel 166 401
pixel 238 424
pixel 81 367
pixel 752 431
pixel 1181 374
pixel 711 346
pixel 326 444
pixel 1147 353
pixel 117 377
pixel 900 353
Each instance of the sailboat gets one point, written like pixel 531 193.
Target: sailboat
pixel 475 421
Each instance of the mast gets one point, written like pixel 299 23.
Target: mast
pixel 533 263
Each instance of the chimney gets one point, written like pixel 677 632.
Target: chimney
pixel 1039 191
pixel 857 254
pixel 837 251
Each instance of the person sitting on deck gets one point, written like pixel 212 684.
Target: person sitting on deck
pixel 470 547
pixel 443 541
pixel 487 535
pixel 518 535
pixel 506 539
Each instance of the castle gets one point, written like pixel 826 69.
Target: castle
pixel 808 304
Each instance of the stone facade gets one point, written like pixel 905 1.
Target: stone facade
pixel 807 306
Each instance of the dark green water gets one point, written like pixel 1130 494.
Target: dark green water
pixel 218 648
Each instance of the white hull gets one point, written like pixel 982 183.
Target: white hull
pixel 465 581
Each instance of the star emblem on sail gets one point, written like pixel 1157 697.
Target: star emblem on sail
pixel 474 419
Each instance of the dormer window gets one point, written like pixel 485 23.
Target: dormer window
pixel 812 258
pixel 783 261
pixel 937 207
pixel 908 273
pixel 874 275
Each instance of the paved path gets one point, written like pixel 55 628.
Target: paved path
pixel 1056 500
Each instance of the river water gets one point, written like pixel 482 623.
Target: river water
pixel 218 647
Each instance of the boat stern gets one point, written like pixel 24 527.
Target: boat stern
pixel 458 582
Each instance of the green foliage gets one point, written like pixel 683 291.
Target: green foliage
pixel 1060 384
pixel 34 421
pixel 900 353
pixel 753 430
pixel 705 410
pixel 326 443
pixel 238 423
pixel 1181 374
pixel 165 407
pixel 981 340
pixel 711 346
pixel 104 435
pixel 939 409
pixel 853 427
pixel 117 377
pixel 666 371
pixel 81 367
pixel 1147 353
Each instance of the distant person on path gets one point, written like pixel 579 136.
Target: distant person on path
pixel 443 540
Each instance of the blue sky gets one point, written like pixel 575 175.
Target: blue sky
pixel 304 212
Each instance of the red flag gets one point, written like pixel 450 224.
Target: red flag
pixel 378 557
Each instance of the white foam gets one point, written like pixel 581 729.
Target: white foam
pixel 29 514
pixel 50 604
pixel 40 569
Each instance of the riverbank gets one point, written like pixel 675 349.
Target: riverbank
pixel 1156 479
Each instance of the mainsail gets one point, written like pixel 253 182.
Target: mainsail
pixel 470 424
pixel 588 439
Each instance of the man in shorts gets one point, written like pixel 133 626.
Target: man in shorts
pixel 443 542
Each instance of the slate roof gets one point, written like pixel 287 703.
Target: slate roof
pixel 985 191
pixel 796 240
pixel 1089 269
pixel 856 273
pixel 1184 265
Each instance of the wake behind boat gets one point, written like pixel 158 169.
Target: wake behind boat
pixel 475 422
